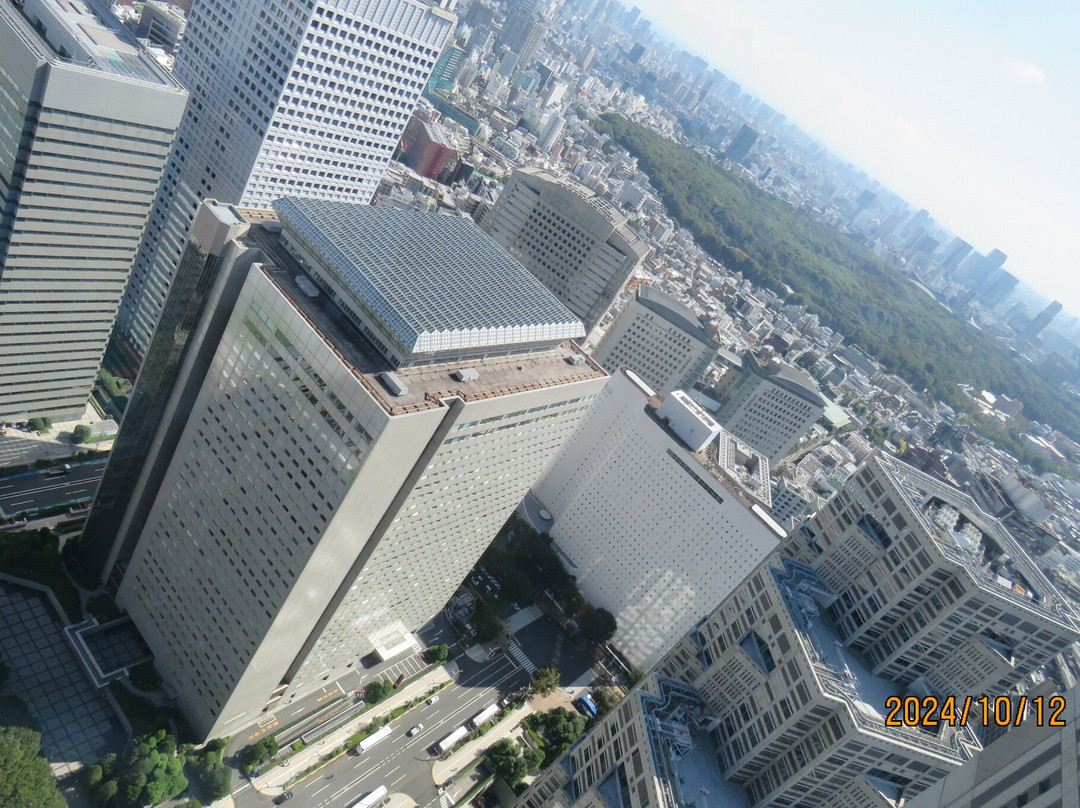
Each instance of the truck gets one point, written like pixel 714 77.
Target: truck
pixel 64 469
pixel 372 799
pixel 447 743
pixel 588 705
pixel 484 716
pixel 373 739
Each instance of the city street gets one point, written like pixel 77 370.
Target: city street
pixel 402 764
pixel 37 490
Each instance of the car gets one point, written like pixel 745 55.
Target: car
pixel 284 797
pixel 433 699
pixel 415 730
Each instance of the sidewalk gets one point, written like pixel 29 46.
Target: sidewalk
pixel 20 447
pixel 273 780
pixel 444 770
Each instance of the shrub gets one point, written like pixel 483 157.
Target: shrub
pixel 254 755
pixel 81 434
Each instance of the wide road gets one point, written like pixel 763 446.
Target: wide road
pixel 37 490
pixel 400 763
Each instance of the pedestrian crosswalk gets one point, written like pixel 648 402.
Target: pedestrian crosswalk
pixel 522 618
pixel 520 657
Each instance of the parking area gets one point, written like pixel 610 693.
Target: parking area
pixel 77 725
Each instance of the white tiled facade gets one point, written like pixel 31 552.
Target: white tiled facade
pixel 656 338
pixel 653 536
pixel 288 97
pixel 575 242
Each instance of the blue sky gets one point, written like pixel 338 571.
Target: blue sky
pixel 969 109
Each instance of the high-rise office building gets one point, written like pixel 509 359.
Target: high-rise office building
pixel 996 289
pixel 522 32
pixel 87 118
pixel 578 244
pixel 1042 320
pixel 953 254
pixel 770 406
pixel 902 587
pixel 287 98
pixel 977 268
pixel 657 512
pixel 162 23
pixel 552 132
pixel 1035 765
pixel 363 407
pixel 741 144
pixel 660 339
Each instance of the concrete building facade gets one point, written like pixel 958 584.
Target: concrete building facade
pixel 770 406
pixel 384 389
pixel 576 243
pixel 288 98
pixel 660 339
pixel 655 531
pixel 87 118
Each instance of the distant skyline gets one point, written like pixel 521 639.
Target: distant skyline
pixel 968 109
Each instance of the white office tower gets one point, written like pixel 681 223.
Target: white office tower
pixel 1035 765
pixel 87 118
pixel 578 244
pixel 660 339
pixel 656 512
pixel 384 389
pixel 770 406
pixel 288 97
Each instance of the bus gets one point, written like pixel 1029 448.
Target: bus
pixel 484 716
pixel 373 739
pixel 447 743
pixel 372 799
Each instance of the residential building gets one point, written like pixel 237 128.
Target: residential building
pixel 1034 765
pixel 425 148
pixel 287 97
pixel 656 511
pixel 660 339
pixel 87 118
pixel 768 405
pixel 575 242
pixel 372 398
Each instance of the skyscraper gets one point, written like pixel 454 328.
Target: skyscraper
pixel 366 405
pixel 87 118
pixel 657 512
pixel 286 98
pixel 770 406
pixel 741 144
pixel 1042 320
pixel 660 339
pixel 522 33
pixel 576 243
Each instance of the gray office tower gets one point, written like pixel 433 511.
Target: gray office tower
pixel 1042 320
pixel 87 117
pixel 577 243
pixel 741 144
pixel 365 400
pixel 303 97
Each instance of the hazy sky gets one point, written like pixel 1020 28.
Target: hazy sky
pixel 969 109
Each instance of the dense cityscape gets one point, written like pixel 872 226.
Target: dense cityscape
pixel 431 403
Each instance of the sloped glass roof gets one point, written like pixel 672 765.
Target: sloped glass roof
pixel 436 282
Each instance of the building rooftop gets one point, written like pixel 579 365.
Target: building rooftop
pixel 793 380
pixel 966 534
pixel 420 387
pixel 843 675
pixel 84 33
pixel 673 311
pixel 437 283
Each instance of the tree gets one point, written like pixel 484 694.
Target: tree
pixel 39 424
pixel 597 625
pixel 505 758
pixel 254 755
pixel 378 690
pixel 545 680
pixel 81 434
pixel 563 726
pixel 517 586
pixel 25 776
pixel 534 759
pixel 605 699
pixel 437 654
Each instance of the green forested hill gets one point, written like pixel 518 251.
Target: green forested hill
pixel 850 288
